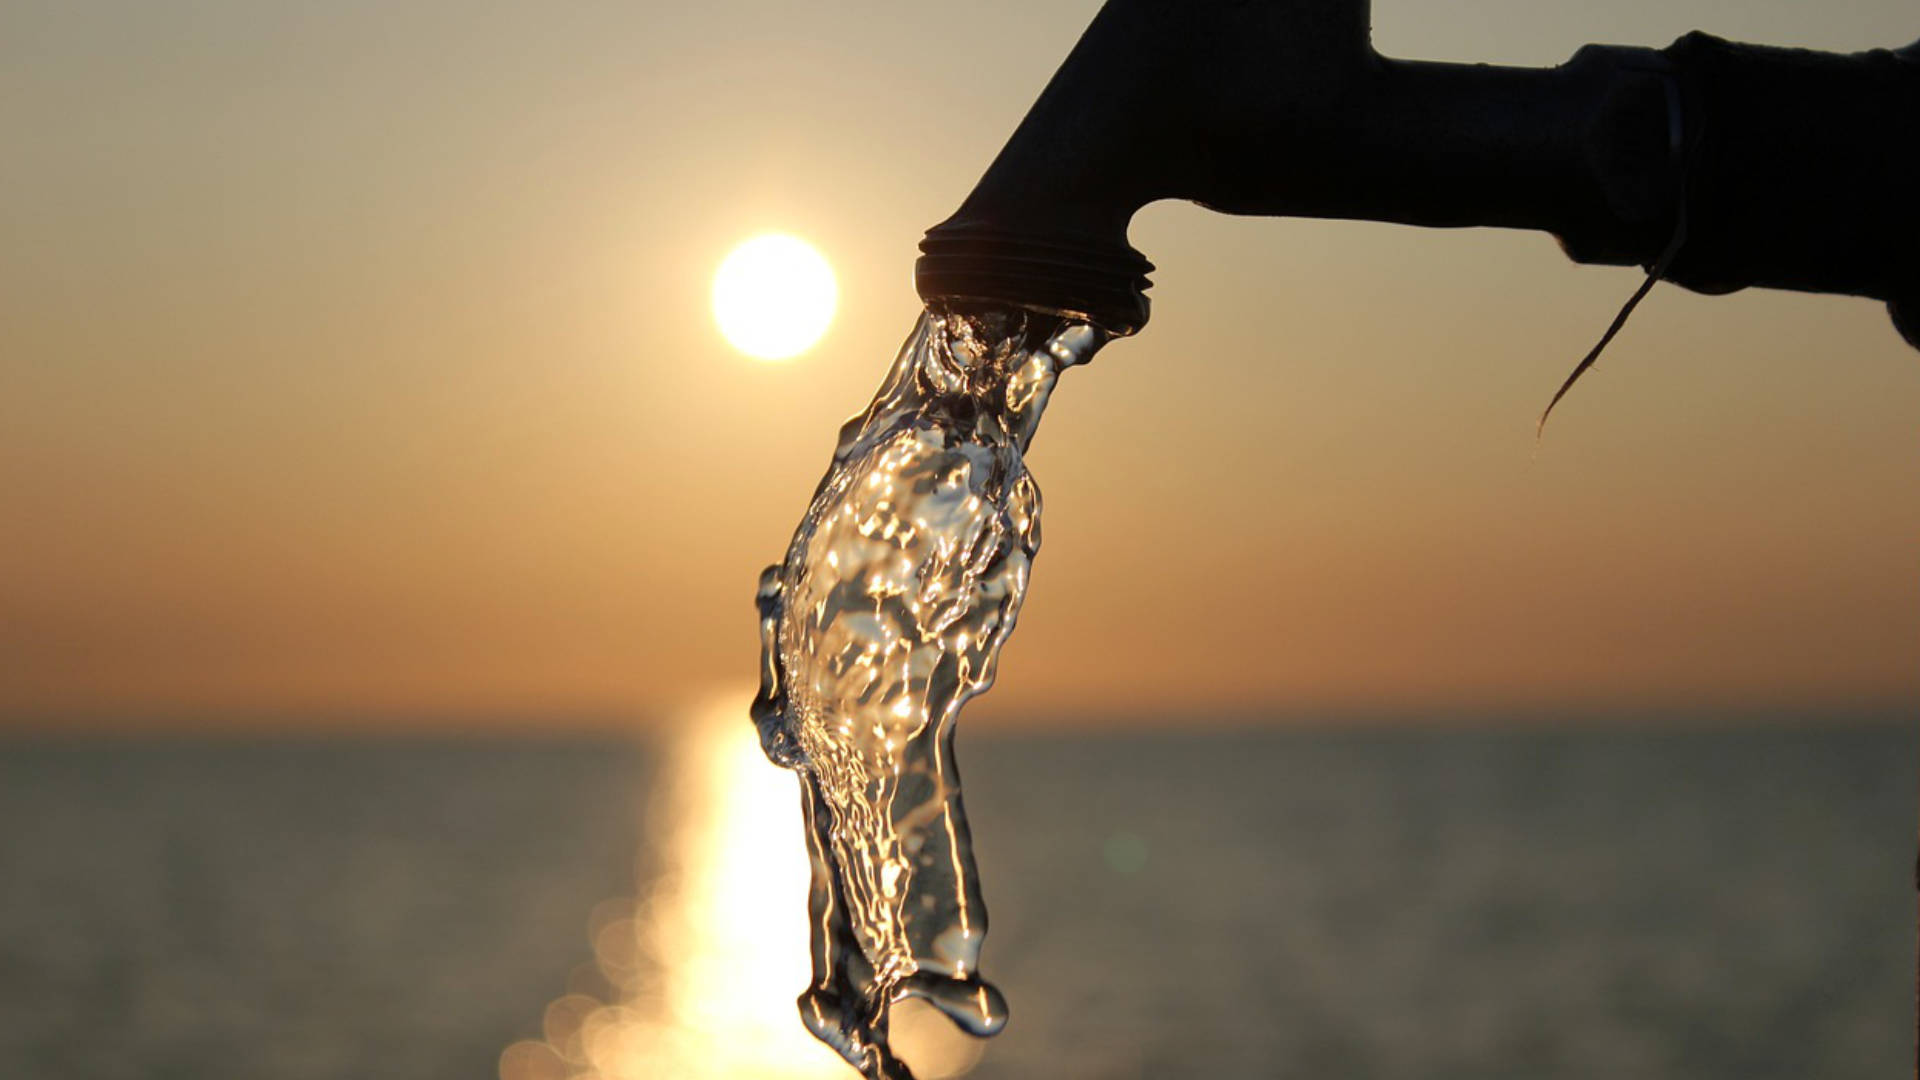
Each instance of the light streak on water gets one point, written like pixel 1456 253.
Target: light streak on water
pixel 708 962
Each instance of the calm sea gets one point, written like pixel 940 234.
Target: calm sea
pixel 1379 904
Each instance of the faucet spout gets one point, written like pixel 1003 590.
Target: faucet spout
pixel 1283 107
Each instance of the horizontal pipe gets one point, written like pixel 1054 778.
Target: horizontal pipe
pixel 1790 169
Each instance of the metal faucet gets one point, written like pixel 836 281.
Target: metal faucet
pixel 1716 165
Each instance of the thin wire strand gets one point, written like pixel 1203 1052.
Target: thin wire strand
pixel 1654 275
pixel 1677 137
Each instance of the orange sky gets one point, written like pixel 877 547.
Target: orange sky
pixel 355 361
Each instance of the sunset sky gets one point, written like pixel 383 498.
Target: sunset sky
pixel 357 369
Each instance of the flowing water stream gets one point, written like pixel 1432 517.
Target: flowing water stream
pixel 902 582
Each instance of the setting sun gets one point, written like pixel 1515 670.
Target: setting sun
pixel 774 296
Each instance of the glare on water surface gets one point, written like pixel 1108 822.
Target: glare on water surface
pixel 708 963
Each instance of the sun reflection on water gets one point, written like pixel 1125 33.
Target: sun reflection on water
pixel 706 966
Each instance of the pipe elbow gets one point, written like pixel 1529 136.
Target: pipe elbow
pixel 1778 168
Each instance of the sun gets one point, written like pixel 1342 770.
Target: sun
pixel 773 296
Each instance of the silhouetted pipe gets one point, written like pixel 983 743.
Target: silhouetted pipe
pixel 1789 169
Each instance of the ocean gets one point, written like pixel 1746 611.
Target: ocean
pixel 1405 903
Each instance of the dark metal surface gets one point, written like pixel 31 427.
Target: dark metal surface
pixel 1797 168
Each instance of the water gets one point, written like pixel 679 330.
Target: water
pixel 298 910
pixel 1415 904
pixel 902 582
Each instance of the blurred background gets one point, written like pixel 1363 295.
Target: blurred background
pixel 380 508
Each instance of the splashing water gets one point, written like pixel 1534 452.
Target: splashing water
pixel 902 582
